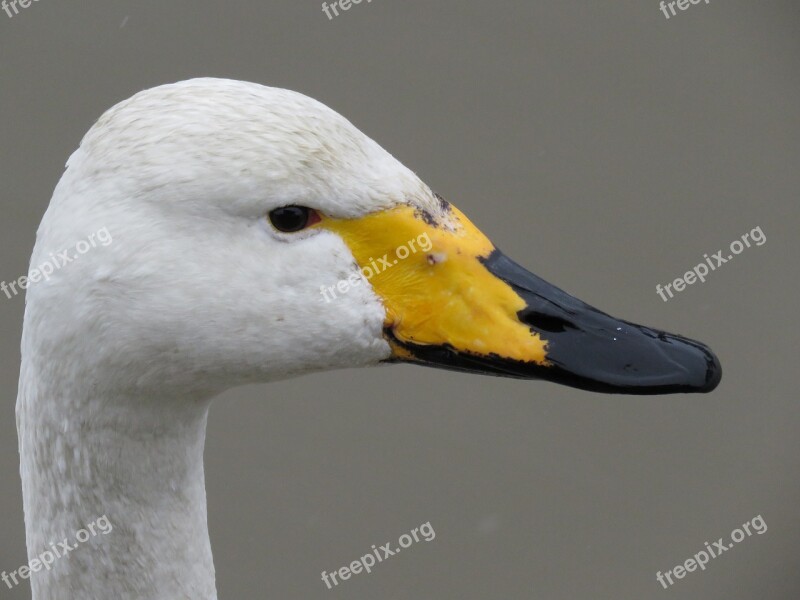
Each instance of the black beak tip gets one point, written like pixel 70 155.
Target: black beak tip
pixel 591 350
pixel 713 372
pixel 695 368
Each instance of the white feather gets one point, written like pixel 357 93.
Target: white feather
pixel 124 348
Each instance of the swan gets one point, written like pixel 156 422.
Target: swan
pixel 232 206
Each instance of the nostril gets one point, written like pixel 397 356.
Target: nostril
pixel 543 322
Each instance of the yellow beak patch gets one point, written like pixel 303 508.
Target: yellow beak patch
pixel 435 288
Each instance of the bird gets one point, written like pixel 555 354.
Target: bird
pixel 255 235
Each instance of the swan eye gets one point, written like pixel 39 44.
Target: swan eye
pixel 289 219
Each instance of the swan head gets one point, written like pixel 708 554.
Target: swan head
pixel 257 234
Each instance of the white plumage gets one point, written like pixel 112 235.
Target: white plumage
pixel 124 348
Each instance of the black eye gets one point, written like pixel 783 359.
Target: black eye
pixel 292 218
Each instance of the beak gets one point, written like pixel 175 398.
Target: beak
pixel 454 301
pixel 586 348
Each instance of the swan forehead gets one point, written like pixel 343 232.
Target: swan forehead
pixel 245 144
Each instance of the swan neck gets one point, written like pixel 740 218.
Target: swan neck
pixel 135 461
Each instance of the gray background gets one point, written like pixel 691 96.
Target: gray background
pixel 599 144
